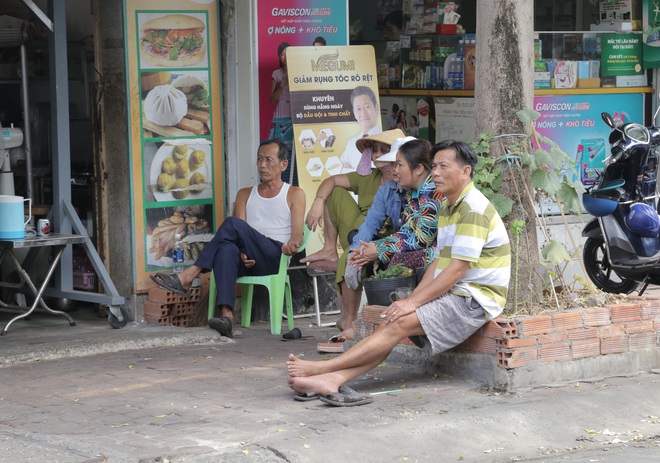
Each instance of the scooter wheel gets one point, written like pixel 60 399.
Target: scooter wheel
pixel 600 272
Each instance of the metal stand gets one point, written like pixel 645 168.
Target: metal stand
pixel 63 216
pixel 59 243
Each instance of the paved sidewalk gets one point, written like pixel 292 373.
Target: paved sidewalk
pixel 153 394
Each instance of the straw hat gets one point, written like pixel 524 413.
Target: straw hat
pixel 386 137
pixel 394 147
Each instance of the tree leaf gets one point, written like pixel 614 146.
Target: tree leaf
pixel 555 252
pixel 503 205
pixel 569 198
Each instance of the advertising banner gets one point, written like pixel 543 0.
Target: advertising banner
pixel 621 55
pixel 175 138
pixel 574 122
pixel 651 37
pixel 282 24
pixel 334 102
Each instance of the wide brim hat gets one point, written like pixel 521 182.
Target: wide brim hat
pixel 394 148
pixel 388 137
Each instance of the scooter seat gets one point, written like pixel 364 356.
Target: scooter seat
pixel 609 186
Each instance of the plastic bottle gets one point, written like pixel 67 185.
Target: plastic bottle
pixel 177 254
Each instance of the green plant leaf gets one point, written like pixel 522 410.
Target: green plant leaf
pixel 546 181
pixel 555 252
pixel 527 115
pixel 503 205
pixel 569 198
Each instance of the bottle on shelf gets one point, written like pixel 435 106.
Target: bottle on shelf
pixel 177 254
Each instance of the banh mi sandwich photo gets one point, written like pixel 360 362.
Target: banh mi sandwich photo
pixel 173 40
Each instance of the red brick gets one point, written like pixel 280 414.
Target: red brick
pixel 656 325
pixel 514 343
pixel 650 312
pixel 614 344
pixel 638 327
pixel 500 328
pixel 551 338
pixel 158 320
pixel 584 333
pixel 560 351
pixel 588 347
pixel 597 316
pixel 161 295
pixel 611 331
pixel 479 343
pixel 567 321
pixel 517 358
pixel 371 313
pixel 640 341
pixel 626 313
pixel 539 324
pixel 156 309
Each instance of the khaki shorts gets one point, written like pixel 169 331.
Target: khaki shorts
pixel 448 321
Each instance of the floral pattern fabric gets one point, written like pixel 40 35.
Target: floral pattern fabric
pixel 419 225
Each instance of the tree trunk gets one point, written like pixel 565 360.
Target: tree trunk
pixel 504 85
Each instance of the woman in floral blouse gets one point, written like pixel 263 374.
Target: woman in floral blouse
pixel 413 244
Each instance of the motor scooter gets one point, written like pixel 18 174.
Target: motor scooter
pixel 622 248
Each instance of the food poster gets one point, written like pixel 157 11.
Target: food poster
pixel 574 122
pixel 175 139
pixel 415 116
pixel 325 125
pixel 295 22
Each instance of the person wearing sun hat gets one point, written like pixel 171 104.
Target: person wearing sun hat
pixel 410 203
pixel 336 210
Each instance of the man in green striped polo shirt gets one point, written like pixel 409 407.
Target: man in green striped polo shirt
pixel 464 287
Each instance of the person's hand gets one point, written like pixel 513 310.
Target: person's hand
pixel 315 215
pixel 290 248
pixel 247 262
pixel 365 254
pixel 398 309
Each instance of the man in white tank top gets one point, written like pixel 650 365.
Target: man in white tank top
pixel 267 222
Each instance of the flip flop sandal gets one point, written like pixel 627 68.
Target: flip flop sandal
pixel 345 397
pixel 222 325
pixel 169 282
pixel 305 396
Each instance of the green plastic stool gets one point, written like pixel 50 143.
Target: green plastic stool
pixel 279 292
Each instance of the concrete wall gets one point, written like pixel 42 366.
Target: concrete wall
pixel 114 147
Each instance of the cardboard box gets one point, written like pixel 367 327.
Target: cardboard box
pixel 542 80
pixel 588 83
pixel 446 29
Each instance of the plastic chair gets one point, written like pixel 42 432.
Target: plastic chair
pixel 279 291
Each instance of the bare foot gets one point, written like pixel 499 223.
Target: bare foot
pixel 298 367
pixel 321 384
pixel 347 333
pixel 324 254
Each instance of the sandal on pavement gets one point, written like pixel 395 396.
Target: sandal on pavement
pixel 222 325
pixel 345 397
pixel 334 345
pixel 169 282
pixel 305 396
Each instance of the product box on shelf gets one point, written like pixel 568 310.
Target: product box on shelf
pixel 632 81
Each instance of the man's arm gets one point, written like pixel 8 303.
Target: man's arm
pixel 428 290
pixel 296 200
pixel 315 214
pixel 241 202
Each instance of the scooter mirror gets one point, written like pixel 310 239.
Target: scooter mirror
pixel 608 119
